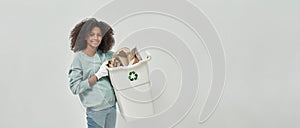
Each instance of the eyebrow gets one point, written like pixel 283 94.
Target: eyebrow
pixel 94 33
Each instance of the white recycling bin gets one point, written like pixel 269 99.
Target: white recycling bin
pixel 132 89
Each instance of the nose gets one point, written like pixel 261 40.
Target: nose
pixel 95 36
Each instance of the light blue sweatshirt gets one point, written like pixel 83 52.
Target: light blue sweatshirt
pixel 98 96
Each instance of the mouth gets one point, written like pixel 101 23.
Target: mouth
pixel 95 41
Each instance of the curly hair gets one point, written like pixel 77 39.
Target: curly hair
pixel 80 31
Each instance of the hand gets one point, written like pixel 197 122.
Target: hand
pixel 102 71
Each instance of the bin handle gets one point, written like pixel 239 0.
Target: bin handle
pixel 148 55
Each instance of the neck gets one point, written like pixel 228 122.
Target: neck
pixel 90 51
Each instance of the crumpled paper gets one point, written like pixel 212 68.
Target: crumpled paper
pixel 124 57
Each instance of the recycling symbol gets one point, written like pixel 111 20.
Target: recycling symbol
pixel 132 76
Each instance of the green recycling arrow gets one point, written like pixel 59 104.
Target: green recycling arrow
pixel 132 76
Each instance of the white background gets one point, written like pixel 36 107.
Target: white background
pixel 260 38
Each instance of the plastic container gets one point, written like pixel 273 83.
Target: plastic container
pixel 132 89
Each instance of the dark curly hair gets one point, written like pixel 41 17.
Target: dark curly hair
pixel 80 31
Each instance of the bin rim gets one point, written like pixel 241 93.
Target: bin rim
pixel 130 66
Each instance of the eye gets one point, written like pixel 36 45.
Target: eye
pixel 100 35
pixel 91 34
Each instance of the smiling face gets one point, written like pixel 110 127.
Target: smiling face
pixel 94 37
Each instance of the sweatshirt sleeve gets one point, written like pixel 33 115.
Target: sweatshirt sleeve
pixel 110 54
pixel 77 84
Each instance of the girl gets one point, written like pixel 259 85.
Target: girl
pixel 91 42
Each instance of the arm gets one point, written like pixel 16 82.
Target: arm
pixel 76 81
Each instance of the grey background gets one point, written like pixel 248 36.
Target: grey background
pixel 259 38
